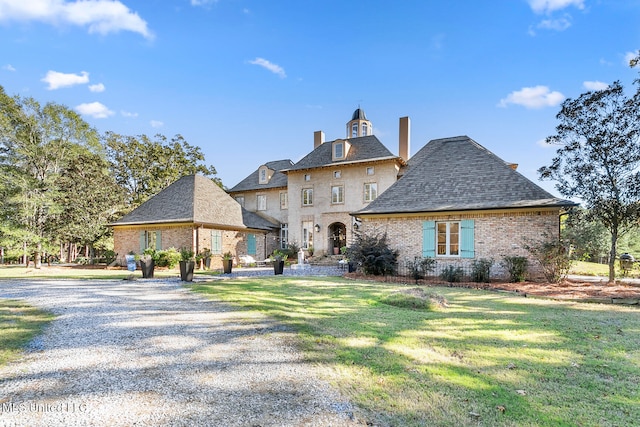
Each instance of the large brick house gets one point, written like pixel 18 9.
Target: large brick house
pixel 453 200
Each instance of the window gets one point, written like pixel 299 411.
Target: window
pixel 263 176
pixel 337 194
pixel 370 191
pixel 284 236
pixel 307 177
pixel 150 240
pixel 337 174
pixel 284 200
pixel 371 170
pixel 364 129
pixel 307 197
pixel 262 202
pixel 354 130
pixel 448 238
pixel 338 150
pixel 307 234
pixel 216 242
pixel 240 199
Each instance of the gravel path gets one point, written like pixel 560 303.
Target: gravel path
pixel 151 353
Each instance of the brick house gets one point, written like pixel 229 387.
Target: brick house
pixel 458 202
pixel 194 213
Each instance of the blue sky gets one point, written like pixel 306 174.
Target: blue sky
pixel 249 81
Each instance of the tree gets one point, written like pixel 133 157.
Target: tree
pixel 36 143
pixel 143 166
pixel 588 238
pixel 599 158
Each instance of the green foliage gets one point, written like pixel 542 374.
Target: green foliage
pixel 481 270
pixel 373 255
pixel 589 238
pixel 168 258
pixel 553 257
pixel 280 255
pixel 292 250
pixel 420 267
pixel 452 274
pixel 516 266
pixel 227 256
pixel 186 254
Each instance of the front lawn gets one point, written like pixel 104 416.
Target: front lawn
pixel 19 323
pixel 466 357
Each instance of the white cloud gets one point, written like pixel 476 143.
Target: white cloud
pixel 202 2
pixel 97 87
pixel 100 16
pixel 8 67
pixel 595 85
pixel 533 97
pixel 560 24
pixel 548 6
pixel 156 123
pixel 128 114
pixel 58 80
pixel 275 69
pixel 95 110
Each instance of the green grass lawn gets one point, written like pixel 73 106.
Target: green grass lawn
pixel 468 357
pixel 81 272
pixel 19 323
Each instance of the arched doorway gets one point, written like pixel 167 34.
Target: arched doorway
pixel 337 237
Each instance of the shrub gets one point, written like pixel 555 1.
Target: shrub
pixel 167 258
pixel 419 267
pixel 516 266
pixel 481 270
pixel 553 257
pixel 452 274
pixel 373 255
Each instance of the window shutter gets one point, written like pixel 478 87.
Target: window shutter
pixel 466 239
pixel 143 241
pixel 158 240
pixel 251 244
pixel 428 239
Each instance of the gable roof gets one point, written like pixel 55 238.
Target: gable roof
pixel 363 149
pixel 452 174
pixel 278 180
pixel 193 199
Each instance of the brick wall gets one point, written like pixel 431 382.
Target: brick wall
pixel 496 235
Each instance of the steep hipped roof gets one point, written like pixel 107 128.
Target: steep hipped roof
pixel 193 199
pixel 278 179
pixel 457 173
pixel 364 148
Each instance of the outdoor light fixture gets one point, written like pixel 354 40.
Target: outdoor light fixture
pixel 317 227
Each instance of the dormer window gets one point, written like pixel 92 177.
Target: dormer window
pixel 263 175
pixel 338 150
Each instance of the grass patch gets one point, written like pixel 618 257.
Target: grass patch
pixel 414 298
pixel 482 359
pixel 19 323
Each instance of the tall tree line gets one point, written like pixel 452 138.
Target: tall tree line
pixel 62 182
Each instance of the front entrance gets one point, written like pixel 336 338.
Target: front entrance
pixel 337 237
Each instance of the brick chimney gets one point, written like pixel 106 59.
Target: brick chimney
pixel 404 138
pixel 318 139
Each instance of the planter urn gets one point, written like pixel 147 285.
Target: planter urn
pixel 186 270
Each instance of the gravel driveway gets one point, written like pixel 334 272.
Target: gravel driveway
pixel 151 353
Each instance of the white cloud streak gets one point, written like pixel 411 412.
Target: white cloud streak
pixel 95 110
pixel 274 68
pixel 99 16
pixel 128 114
pixel 97 88
pixel 533 97
pixel 549 6
pixel 57 80
pixel 8 67
pixel 595 85
pixel 156 123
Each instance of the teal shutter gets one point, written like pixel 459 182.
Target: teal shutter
pixel 251 244
pixel 158 240
pixel 428 239
pixel 466 239
pixel 143 241
pixel 216 242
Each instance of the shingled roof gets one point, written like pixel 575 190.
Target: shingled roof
pixel 278 180
pixel 453 174
pixel 364 148
pixel 194 199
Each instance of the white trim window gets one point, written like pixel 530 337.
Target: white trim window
pixel 370 170
pixel 338 150
pixel 337 174
pixel 240 200
pixel 370 191
pixel 307 234
pixel 262 202
pixel 448 239
pixel 337 194
pixel 307 197
pixel 284 200
pixel 284 236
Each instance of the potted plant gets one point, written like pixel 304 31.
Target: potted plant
pixel 227 262
pixel 278 258
pixel 148 263
pixel 187 264
pixel 206 256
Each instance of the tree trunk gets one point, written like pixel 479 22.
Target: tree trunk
pixel 612 257
pixel 37 259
